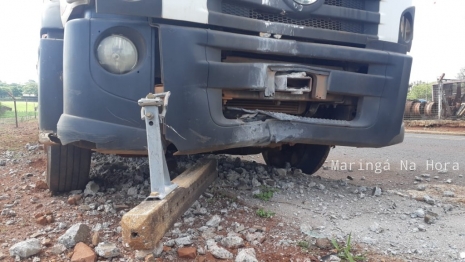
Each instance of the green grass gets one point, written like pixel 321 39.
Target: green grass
pixel 265 214
pixel 303 244
pixel 344 252
pixel 20 107
pixel 266 193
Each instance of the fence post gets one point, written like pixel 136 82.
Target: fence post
pixel 16 112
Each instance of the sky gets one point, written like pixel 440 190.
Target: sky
pixel 438 45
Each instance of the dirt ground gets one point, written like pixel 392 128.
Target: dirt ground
pixel 21 191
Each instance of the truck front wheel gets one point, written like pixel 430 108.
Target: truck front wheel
pixel 309 158
pixel 68 167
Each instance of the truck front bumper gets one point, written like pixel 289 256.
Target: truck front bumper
pixel 193 71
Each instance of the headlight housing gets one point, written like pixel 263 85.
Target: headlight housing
pixel 406 29
pixel 117 54
pixel 305 2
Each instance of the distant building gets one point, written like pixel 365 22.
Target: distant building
pixel 30 97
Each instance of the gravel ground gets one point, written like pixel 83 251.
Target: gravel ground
pixel 396 215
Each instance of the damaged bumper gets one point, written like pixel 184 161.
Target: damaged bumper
pixel 195 71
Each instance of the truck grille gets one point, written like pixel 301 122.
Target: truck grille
pixel 323 23
pixel 354 4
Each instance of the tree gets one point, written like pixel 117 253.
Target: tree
pixel 461 74
pixel 30 88
pixel 4 91
pixel 421 91
pixel 16 89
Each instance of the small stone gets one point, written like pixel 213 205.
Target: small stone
pixel 46 242
pixel 246 255
pixel 232 176
pixel 375 227
pixel 281 172
pixel 255 183
pixel 83 253
pixel 320 187
pixel 333 258
pixel 107 250
pixel 75 234
pixel 323 243
pixel 431 217
pixel 95 238
pixel 49 219
pixel 58 249
pixel 448 207
pixel 429 200
pixel 41 185
pixel 42 221
pixel 421 187
pixel 2 162
pixel 422 228
pixel 187 252
pixel 26 248
pixel 257 236
pixel 419 213
pixel 183 241
pixel 418 179
pixel 221 253
pixel 377 191
pixel 201 251
pixel 449 181
pixel 8 213
pixel 232 242
pixel 448 194
pixel 91 189
pixel 149 258
pixel 74 199
pixel 214 221
pixel 169 243
pixel 141 254
pixel 132 191
pixel 462 254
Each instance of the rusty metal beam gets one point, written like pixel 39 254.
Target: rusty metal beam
pixel 145 225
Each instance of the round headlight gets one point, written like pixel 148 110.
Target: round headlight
pixel 305 2
pixel 117 54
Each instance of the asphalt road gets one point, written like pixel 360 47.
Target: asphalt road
pixel 396 165
pixel 388 224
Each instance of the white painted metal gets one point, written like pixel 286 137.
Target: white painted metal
pixel 391 11
pixel 186 10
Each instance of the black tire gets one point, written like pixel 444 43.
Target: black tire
pixel 308 158
pixel 68 167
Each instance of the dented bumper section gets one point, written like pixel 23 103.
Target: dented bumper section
pixel 251 66
pixel 274 88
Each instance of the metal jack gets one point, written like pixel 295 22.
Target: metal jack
pixel 160 182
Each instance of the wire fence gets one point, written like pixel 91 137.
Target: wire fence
pixel 429 110
pixel 25 111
